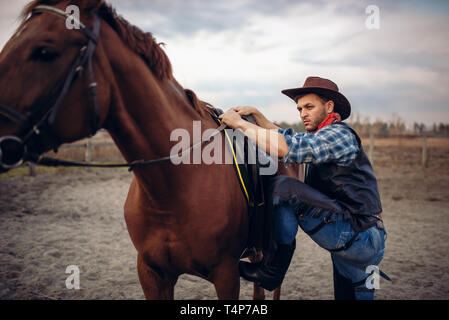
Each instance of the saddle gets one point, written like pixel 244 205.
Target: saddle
pixel 256 188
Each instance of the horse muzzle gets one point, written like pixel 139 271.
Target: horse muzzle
pixel 12 152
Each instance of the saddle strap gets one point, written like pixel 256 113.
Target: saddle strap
pixel 214 114
pixel 381 273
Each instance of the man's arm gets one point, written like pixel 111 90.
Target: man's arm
pixel 266 137
pixel 333 143
pixel 260 119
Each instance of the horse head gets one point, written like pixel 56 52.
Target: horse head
pixel 52 88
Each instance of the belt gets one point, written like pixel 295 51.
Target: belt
pixel 379 223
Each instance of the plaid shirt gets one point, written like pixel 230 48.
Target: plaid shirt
pixel 332 143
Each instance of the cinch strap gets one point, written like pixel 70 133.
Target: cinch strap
pixel 235 163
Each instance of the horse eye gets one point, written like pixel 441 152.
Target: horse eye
pixel 44 54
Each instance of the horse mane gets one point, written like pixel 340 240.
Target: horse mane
pixel 140 42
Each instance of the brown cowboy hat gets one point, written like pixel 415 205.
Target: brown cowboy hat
pixel 325 88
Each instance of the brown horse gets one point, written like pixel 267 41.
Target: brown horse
pixel 181 218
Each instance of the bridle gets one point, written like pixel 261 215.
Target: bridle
pixel 58 94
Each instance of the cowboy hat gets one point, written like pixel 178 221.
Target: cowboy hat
pixel 325 88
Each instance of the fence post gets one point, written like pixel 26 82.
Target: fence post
pixel 88 154
pixel 31 169
pixel 371 148
pixel 424 151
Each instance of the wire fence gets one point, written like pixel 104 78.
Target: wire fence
pixel 376 154
pixel 87 147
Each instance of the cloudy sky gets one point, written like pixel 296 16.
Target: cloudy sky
pixel 244 52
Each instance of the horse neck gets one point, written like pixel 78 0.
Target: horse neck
pixel 143 112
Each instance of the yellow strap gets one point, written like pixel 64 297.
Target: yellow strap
pixel 236 164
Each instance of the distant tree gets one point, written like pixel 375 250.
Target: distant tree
pixel 297 126
pixel 379 128
pixel 397 125
pixel 443 129
pixel 355 123
pixel 418 128
pixel 283 125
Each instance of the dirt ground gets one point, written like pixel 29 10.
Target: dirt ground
pixel 52 221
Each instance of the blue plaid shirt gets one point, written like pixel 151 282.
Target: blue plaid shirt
pixel 333 143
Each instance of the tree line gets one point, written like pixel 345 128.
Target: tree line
pixel 396 126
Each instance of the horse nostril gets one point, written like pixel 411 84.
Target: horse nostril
pixel 12 152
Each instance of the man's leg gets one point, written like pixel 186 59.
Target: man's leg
pixel 285 224
pixel 343 288
pixel 355 269
pixel 271 271
pixel 332 231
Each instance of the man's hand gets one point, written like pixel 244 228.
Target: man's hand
pixel 235 123
pixel 232 119
pixel 265 137
pixel 246 111
pixel 260 119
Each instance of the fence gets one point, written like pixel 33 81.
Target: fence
pixel 424 149
pixel 90 144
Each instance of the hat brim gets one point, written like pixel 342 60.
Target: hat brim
pixel 341 104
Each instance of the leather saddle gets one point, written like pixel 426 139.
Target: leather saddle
pixel 257 188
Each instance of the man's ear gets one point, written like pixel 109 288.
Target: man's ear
pixel 330 106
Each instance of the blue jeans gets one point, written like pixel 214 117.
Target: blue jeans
pixel 352 263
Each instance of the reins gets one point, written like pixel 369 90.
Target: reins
pixel 83 60
pixel 30 129
pixel 53 162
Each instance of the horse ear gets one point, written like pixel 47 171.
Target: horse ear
pixel 90 5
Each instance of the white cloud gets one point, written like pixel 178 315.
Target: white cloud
pixel 9 13
pixel 245 52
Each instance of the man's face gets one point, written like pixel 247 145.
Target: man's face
pixel 313 110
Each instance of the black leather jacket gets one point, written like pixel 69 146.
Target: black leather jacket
pixel 351 190
pixel 353 186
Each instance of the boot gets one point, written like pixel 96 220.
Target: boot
pixel 343 289
pixel 269 273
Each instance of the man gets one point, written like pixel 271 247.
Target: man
pixel 338 205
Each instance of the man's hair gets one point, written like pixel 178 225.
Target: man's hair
pixel 323 98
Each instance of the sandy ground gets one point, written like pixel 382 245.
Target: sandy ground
pixel 52 221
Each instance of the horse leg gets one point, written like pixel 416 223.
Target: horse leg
pixel 153 285
pixel 226 279
pixel 277 293
pixel 258 291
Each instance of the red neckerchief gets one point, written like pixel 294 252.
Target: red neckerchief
pixel 331 118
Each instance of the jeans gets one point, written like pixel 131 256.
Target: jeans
pixel 352 263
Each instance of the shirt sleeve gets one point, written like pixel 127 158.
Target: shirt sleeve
pixel 333 143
